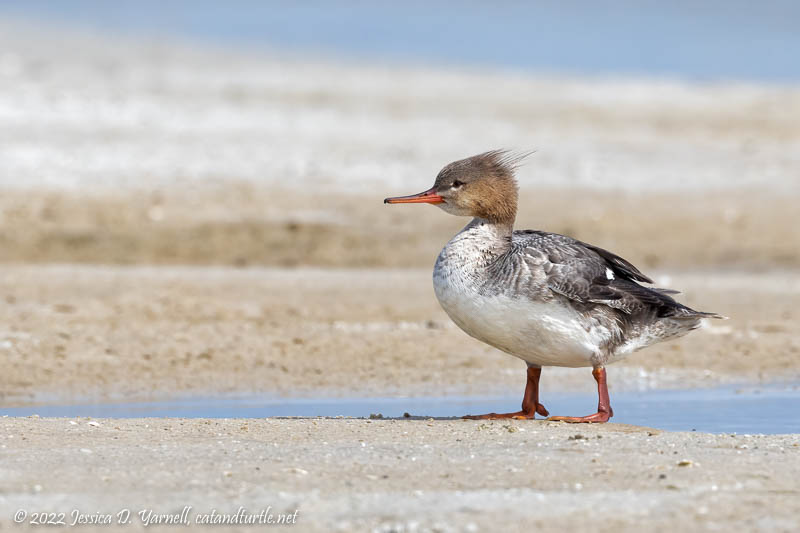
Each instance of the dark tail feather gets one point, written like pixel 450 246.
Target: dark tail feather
pixel 673 309
pixel 665 291
pixel 688 312
pixel 704 314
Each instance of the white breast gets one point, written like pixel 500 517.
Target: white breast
pixel 545 333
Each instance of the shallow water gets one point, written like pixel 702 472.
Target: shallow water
pixel 767 410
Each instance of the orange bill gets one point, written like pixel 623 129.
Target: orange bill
pixel 427 197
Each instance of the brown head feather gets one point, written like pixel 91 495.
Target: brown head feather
pixel 482 186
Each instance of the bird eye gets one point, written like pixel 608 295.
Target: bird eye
pixel 457 184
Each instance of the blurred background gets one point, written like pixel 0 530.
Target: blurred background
pixel 186 118
pixel 266 134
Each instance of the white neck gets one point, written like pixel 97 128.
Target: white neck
pixel 478 244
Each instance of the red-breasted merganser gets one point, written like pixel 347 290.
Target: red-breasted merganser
pixel 548 299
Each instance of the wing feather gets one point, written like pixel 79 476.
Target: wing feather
pixel 588 274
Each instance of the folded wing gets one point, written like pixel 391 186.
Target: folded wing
pixel 589 275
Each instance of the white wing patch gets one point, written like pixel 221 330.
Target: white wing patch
pixel 609 273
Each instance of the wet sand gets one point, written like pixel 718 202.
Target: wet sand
pixel 241 224
pixel 73 333
pixel 399 475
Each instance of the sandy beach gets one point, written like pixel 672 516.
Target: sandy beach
pixel 78 333
pixel 399 475
pixel 184 221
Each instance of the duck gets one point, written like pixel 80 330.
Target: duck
pixel 545 298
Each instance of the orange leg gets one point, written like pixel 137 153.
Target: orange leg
pixel 530 401
pixel 604 411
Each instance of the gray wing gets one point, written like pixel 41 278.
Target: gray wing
pixel 590 275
